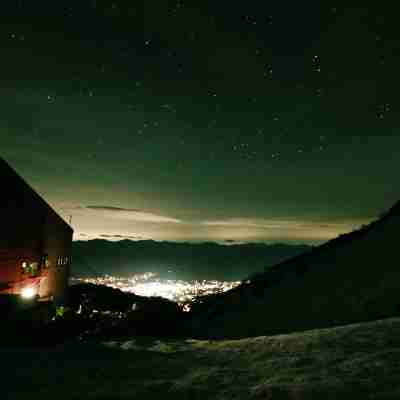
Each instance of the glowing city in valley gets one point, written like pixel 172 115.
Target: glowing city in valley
pixel 150 284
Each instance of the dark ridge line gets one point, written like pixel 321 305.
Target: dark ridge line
pixel 301 259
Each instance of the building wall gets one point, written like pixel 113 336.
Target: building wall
pixel 57 243
pixel 21 222
pixel 11 264
pixel 32 233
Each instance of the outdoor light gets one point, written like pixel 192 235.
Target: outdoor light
pixel 28 292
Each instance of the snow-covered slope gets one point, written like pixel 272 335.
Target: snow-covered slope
pixel 355 277
pixel 359 361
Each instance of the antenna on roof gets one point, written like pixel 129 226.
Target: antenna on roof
pixel 70 220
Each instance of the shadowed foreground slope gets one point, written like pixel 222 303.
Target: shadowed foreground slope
pixel 358 361
pixel 353 278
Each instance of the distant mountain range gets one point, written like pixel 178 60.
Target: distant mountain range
pixel 355 277
pixel 178 260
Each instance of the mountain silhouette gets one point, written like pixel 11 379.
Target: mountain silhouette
pixel 353 278
pixel 178 260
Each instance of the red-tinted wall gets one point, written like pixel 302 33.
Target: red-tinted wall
pixel 31 232
pixel 57 242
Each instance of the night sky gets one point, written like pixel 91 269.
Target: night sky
pixel 224 121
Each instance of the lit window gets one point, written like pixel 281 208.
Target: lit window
pixel 34 268
pixel 61 261
pixel 46 261
pixel 25 268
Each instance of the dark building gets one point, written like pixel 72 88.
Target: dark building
pixel 35 243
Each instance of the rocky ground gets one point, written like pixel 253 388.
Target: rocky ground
pixel 360 361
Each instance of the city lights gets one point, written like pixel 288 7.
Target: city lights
pixel 150 284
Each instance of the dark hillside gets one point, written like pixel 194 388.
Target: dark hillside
pixel 355 277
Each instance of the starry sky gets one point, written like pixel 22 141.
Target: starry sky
pixel 217 121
